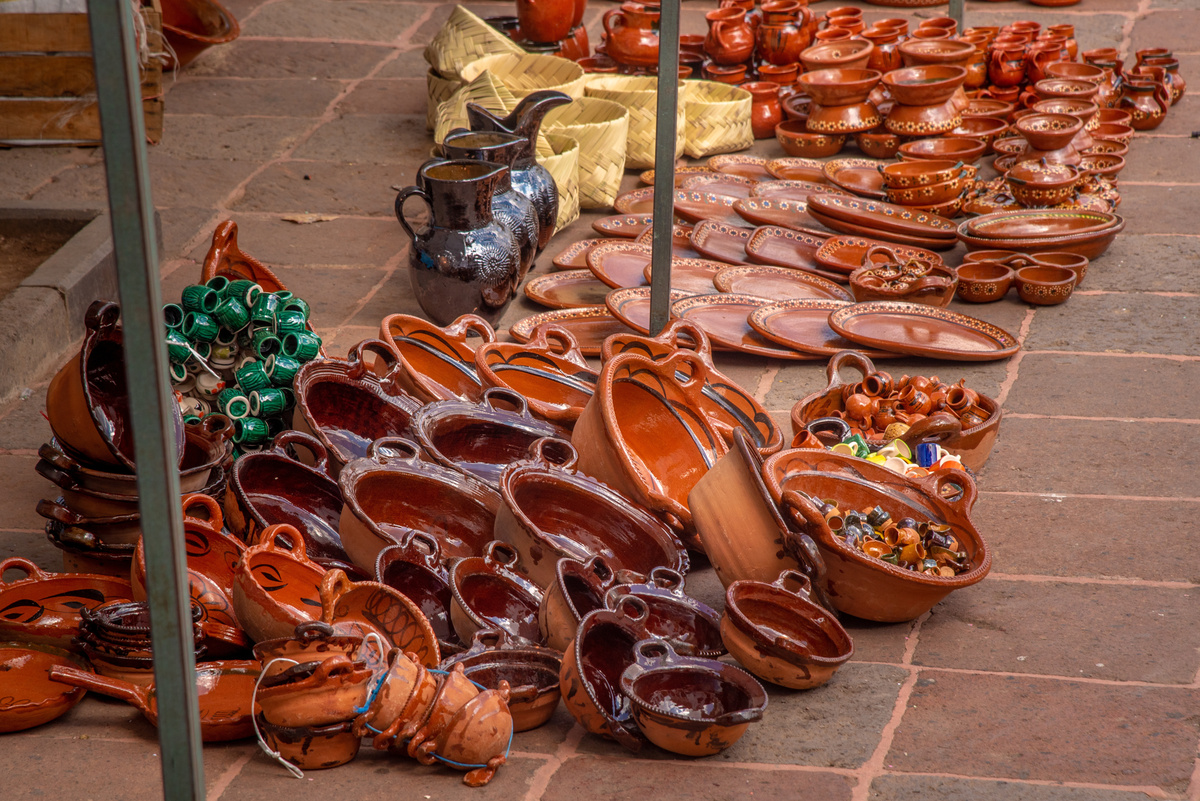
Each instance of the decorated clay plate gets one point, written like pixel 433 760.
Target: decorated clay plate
pixel 567 289
pixel 803 324
pixel 884 216
pixel 691 276
pixel 844 254
pixel 754 167
pixel 681 241
pixel 619 264
pixel 784 213
pixel 868 229
pixel 625 226
pixel 783 247
pixel 857 176
pixel 698 206
pixel 590 326
pixel 797 169
pixel 798 191
pixel 721 183
pixel 724 318
pixel 632 306
pixel 681 174
pixel 777 283
pixel 923 331
pixel 721 242
pixel 574 257
pixel 639 201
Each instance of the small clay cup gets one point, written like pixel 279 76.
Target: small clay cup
pixel 1045 286
pixel 984 282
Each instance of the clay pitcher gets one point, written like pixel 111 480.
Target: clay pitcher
pixel 781 36
pixel 1006 66
pixel 545 20
pixel 528 177
pixel 886 55
pixel 730 38
pixel 1040 55
pixel 1146 100
pixel 632 38
pixel 464 261
pixel 1177 85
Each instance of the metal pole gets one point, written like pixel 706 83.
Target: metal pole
pixel 135 250
pixel 957 11
pixel 664 165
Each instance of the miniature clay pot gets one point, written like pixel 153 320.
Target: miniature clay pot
pixel 490 593
pixel 314 693
pixel 578 588
pixel 383 617
pixel 673 614
pixel 311 642
pixel 1045 285
pixel 531 672
pixel 30 697
pixel 276 587
pixel 984 282
pixel 312 747
pixel 44 608
pixel 777 633
pixel 436 363
pixel 549 371
pixel 453 692
pixel 414 568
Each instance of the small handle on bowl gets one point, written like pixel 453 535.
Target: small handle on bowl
pixel 557 340
pixel 700 343
pixel 666 579
pixel 52 510
pixel 938 482
pixel 796 583
pixel 501 553
pixel 56 476
pixel 101 316
pixel 57 457
pixel 293 540
pixel 358 365
pixel 310 443
pixel 203 509
pixel 30 570
pixel 424 544
pixel 313 630
pixel 216 425
pixel 842 358
pixel 640 609
pixel 469 324
pixel 651 653
pixel 334 585
pixel 599 567
pixel 388 449
pixel 610 16
pixel 552 452
pixel 494 395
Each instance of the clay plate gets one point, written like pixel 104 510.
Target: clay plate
pixel 799 191
pixel 590 326
pixel 858 176
pixel 777 283
pixel 575 255
pixel 639 201
pixel 691 276
pixel 699 206
pixel 882 216
pixel 721 183
pixel 632 306
pixel 625 226
pixel 681 174
pixel 619 264
pixel 923 331
pixel 1038 223
pixel 724 318
pixel 722 242
pixel 784 213
pixel 844 254
pixel 681 241
pixel 803 325
pixel 754 167
pixel 783 247
pixel 797 169
pixel 567 289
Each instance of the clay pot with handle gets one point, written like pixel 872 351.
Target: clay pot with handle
pixel 545 20
pixel 632 37
pixel 730 38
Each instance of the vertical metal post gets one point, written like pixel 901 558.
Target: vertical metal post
pixel 664 165
pixel 958 12
pixel 135 250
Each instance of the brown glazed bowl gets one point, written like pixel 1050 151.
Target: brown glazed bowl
pixel 314 693
pixel 954 148
pixel 477 738
pixel 549 371
pixel 383 617
pixel 311 642
pixel 578 588
pixel 861 585
pixel 1048 132
pixel 915 174
pixel 777 633
pixel 935 288
pixel 849 54
pixel 1045 285
pixel 531 672
pixel 30 697
pixel 392 492
pixel 44 608
pixel 797 140
pixel 984 281
pixel 276 587
pixel 689 705
pixel 838 86
pixel 674 615
pixel 489 593
pixel 385 712
pixel 881 144
pixel 436 363
pixel 453 693
pixel 414 568
pixel 551 511
pixel 926 85
pixel 312 747
pixel 1071 261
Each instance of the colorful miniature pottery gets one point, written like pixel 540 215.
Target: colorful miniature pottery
pixel 922 331
pixel 275 586
pixel 383 617
pixel 44 608
pixel 549 371
pixel 673 614
pixel 578 588
pixel 314 693
pixel 31 697
pixel 436 363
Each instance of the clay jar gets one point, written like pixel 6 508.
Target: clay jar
pixel 1146 102
pixel 311 642
pixel 545 20
pixel 464 261
pixel 673 614
pixel 490 593
pixel 1006 65
pixel 765 112
pixel 414 568
pixel 785 31
pixel 632 35
pixel 314 693
pixel 885 56
pixel 436 363
pixel 730 38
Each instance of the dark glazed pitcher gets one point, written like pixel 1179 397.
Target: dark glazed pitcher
pixel 528 177
pixel 464 261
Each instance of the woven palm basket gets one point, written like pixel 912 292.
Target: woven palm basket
pixel 560 155
pixel 639 96
pixel 718 118
pixel 601 127
pixel 529 73
pixel 463 39
pixel 439 90
pixel 487 90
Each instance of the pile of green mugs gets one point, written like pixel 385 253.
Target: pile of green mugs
pixel 235 349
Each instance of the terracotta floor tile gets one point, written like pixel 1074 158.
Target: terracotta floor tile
pixel 1051 383
pixel 1165 160
pixel 281 97
pixel 387 96
pixel 1165 28
pixel 897 787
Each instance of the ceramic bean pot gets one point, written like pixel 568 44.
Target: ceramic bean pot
pixel 631 35
pixel 549 371
pixel 310 642
pixel 44 608
pixel 531 673
pixel 436 363
pixel 730 38
pixel 689 705
pixel 578 588
pixel 551 511
pixel 312 747
pixel 786 30
pixel 276 587
pixel 545 20
pixel 414 568
pixel 777 633
pixel 490 593
pixel 31 698
pixel 383 617
pixel 314 693
pixel 673 614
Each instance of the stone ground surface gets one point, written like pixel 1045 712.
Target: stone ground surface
pixel 1071 674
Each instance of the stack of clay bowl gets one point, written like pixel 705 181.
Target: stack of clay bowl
pixel 840 106
pixel 926 103
pixel 936 186
pixel 115 637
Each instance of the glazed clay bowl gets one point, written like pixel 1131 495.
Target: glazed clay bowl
pixel 983 128
pixel 312 747
pixel 913 174
pixel 490 593
pixel 674 615
pixel 777 633
pixel 551 511
pixel 838 86
pixel 688 705
pixel 934 288
pixel 796 140
pixel 392 492
pixel 1045 285
pixel 1114 132
pixel 311 642
pixel 1036 184
pixel 314 693
pixel 953 148
pixel 1071 261
pixel 984 282
pixel 878 144
pixel 927 194
pixel 578 588
pixel 1048 132
pixel 413 567
pixel 1102 164
pixel 31 697
pixel 926 85
pixel 44 608
pixel 383 617
pixel 276 587
pixel 453 693
pixel 916 52
pixel 477 738
pixel 1115 115
pixel 1066 87
pixel 531 673
pixel 436 363
pixel 861 585
pixel 989 107
pixel 848 54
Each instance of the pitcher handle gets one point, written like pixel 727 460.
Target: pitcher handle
pixel 403 195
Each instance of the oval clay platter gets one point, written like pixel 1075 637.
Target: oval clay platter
pixel 590 326
pixel 625 226
pixel 567 289
pixel 715 240
pixel 919 330
pixel 777 283
pixel 858 176
pixel 574 256
pixel 803 324
pixel 795 168
pixel 725 319
pixel 632 306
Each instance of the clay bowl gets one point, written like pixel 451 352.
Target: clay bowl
pixel 796 140
pixel 311 642
pixel 777 633
pixel 453 693
pixel 984 281
pixel 878 144
pixel 1075 70
pixel 436 363
pixel 688 705
pixel 383 617
pixel 480 439
pixel 82 552
pixel 551 511
pixel 347 406
pixel 927 194
pixel 1102 164
pixel 1045 286
pixel 838 86
pixel 1048 132
pixel 927 85
pixel 578 588
pixel 414 568
pixel 916 52
pixel 989 107
pixel 44 608
pixel 399 702
pixel 914 174
pixel 953 148
pixel 936 288
pixel 490 593
pixel 314 693
pixel 1071 261
pixel 31 698
pixel 312 747
pixel 392 492
pixel 1116 115
pixel 531 673
pixel 1114 132
pixel 861 585
pixel 796 107
pixel 225 692
pixel 848 54
pixel 477 738
pixel 117 529
pixel 984 129
pixel 674 615
pixel 1066 87
pixel 276 587
pixel 1035 184
pixel 549 371
pixel 1108 148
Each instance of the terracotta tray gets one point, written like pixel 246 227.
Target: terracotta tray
pixel 625 226
pixel 797 169
pixel 590 326
pixel 777 283
pixel 632 306
pixel 639 201
pixel 746 166
pixel 844 254
pixel 721 183
pixel 619 264
pixel 882 216
pixel 727 243
pixel 923 331
pixel 567 289
pixel 803 325
pixel 785 213
pixel 700 206
pixel 681 241
pixel 858 176
pixel 799 191
pixel 691 276
pixel 574 256
pixel 868 229
pixel 681 174
pixel 783 247
pixel 724 318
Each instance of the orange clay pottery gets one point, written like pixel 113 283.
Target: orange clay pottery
pixel 384 618
pixel 314 693
pixel 414 568
pixel 436 363
pixel 673 614
pixel 531 672
pixel 490 593
pixel 30 697
pixel 44 608
pixel 578 588
pixel 276 587
pixel 311 642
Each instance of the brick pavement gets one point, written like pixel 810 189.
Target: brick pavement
pixel 1071 674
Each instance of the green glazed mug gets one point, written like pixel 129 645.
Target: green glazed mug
pixel 173 316
pixel 298 305
pixel 200 327
pixel 218 284
pixel 265 309
pixel 301 345
pixel 289 320
pixel 252 377
pixel 284 295
pixel 250 431
pixel 265 343
pixel 269 402
pixel 244 291
pixel 179 350
pixel 233 404
pixel 282 369
pixel 232 314
pixel 199 298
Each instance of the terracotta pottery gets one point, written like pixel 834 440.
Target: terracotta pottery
pixel 1045 285
pixel 392 492
pixel 688 705
pixel 414 568
pixel 44 608
pixel 310 642
pixel 314 693
pixel 225 692
pixel 477 738
pixel 276 586
pixel 453 693
pixel 531 673
pixel 632 35
pixel 1006 65
pixel 381 616
pixel 436 363
pixel 549 371
pixel 777 633
pixel 1049 137
pixel 312 747
pixel 479 440
pixel 1146 101
pixel 109 529
pixel 490 593
pixel 730 38
pixel 964 149
pixel 862 585
pixel 384 713
pixel 850 54
pixel 983 282
pixel 786 30
pixel 578 588
pixel 545 20
pixel 765 112
pixel 30 697
pixel 674 615
pixel 796 140
pixel 192 26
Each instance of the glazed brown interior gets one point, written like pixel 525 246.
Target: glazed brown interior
pixel 678 622
pixel 580 595
pixel 397 502
pixel 516 673
pixel 774 618
pixel 60 598
pixel 554 381
pixel 291 584
pixel 288 492
pixel 498 600
pixel 106 387
pixel 605 653
pixel 421 586
pixel 353 418
pixel 693 694
pixel 482 447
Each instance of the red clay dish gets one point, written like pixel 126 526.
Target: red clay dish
pixel 724 318
pixel 754 167
pixel 574 256
pixel 845 254
pixel 783 247
pixel 726 243
pixel 549 372
pixel 365 608
pixel 31 697
pixel 798 191
pixel 44 608
pixel 797 169
pixel 567 289
pixel 590 325
pixel 859 177
pixel 776 283
pixel 803 325
pixel 698 206
pixel 491 593
pixel 923 331
pixel 681 241
pixel 632 306
pixel 673 614
pixel 436 363
pixel 690 276
pixel 623 226
pixel 791 214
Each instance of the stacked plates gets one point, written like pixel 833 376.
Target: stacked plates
pixel 1085 233
pixel 874 218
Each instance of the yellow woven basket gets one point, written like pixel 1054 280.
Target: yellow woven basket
pixel 560 155
pixel 718 118
pixel 440 90
pixel 601 127
pixel 486 90
pixel 465 38
pixel 639 96
pixel 532 72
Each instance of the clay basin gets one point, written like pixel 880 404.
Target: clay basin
pixel 414 568
pixel 480 439
pixel 674 615
pixel 916 52
pixel 193 26
pixel 551 511
pixel 848 54
pixel 392 492
pixel 531 672
pixel 549 371
pixel 927 85
pixel 31 698
pixel 347 407
pixel 225 692
pixel 1048 132
pixel 312 747
pixel 383 617
pixel 578 588
pixel 490 593
pixel 689 705
pixel 311 642
pixel 276 587
pixel 436 363
pixel 861 585
pixel 953 148
pixel 796 140
pixel 44 608
pixel 839 86
pixel 314 693
pixel 777 633
pixel 912 174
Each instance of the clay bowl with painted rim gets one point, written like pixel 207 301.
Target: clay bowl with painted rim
pixel 777 633
pixel 690 705
pixel 953 148
pixel 674 615
pixel 551 510
pixel 414 567
pixel 1075 70
pixel 392 491
pixel 314 693
pixel 797 140
pixel 43 608
pixel 1066 87
pixel 578 588
pixel 878 144
pixel 916 52
pixel 796 107
pixel 531 672
pixel 437 363
pixel 984 281
pixel 383 617
pixel 31 698
pixel 927 194
pixel 911 174
pixel 1071 261
pixel 983 128
pixel 1102 164
pixel 312 747
pixel 1114 132
pixel 276 587
pixel 926 85
pixel 1116 115
pixel 1045 285
pixel 489 592
pixel 549 371
pixel 849 54
pixel 313 641
pixel 838 86
pixel 1048 132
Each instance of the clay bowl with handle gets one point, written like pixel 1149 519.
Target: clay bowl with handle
pixel 934 288
pixel 551 510
pixel 310 642
pixel 30 697
pixel 777 633
pixel 83 552
pixel 276 587
pixel 383 617
pixel 312 747
pixel 489 592
pixel 314 693
pixel 549 371
pixel 972 445
pixel 862 585
pixel 477 738
pixel 392 492
pixel 531 673
pixel 225 692
pixel 436 363
pixel 578 588
pixel 347 406
pixel 44 608
pixel 674 615
pixel 690 705
pixel 414 568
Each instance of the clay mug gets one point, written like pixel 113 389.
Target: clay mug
pixel 730 38
pixel 784 33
